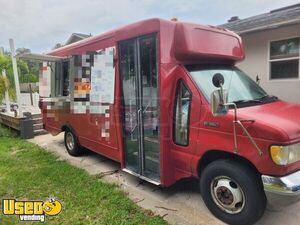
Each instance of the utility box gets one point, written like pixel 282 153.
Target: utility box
pixel 26 126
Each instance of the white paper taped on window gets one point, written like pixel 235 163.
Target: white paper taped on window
pixel 103 77
pixel 45 80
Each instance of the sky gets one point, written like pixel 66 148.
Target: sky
pixel 40 24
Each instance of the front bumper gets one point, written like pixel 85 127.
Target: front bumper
pixel 282 191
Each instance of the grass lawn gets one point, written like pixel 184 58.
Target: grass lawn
pixel 27 172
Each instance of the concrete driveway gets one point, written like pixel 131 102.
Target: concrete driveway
pixel 179 204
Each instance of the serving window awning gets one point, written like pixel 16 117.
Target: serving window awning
pixel 40 57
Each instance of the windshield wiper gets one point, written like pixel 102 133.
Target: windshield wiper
pixel 263 99
pixel 248 101
pixel 267 98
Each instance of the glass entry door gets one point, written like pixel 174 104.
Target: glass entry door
pixel 138 69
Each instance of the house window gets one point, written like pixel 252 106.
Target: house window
pixel 284 59
pixel 182 114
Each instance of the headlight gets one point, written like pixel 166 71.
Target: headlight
pixel 284 155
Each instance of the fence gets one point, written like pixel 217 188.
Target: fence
pixel 24 87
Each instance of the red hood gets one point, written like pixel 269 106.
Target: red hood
pixel 279 120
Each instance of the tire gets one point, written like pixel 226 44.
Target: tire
pixel 72 143
pixel 233 192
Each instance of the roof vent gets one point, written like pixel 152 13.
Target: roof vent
pixel 233 18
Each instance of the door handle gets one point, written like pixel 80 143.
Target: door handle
pixel 140 116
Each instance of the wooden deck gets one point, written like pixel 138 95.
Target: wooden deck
pixel 10 121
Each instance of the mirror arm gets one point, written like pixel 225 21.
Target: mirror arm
pixel 222 94
pixel 235 150
pixel 249 136
pixel 218 81
pixel 235 122
pixel 235 109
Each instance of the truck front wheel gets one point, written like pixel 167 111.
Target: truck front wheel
pixel 233 192
pixel 72 144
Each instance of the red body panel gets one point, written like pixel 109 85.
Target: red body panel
pixel 193 43
pixel 181 43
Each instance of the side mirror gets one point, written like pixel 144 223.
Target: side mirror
pixel 219 98
pixel 218 80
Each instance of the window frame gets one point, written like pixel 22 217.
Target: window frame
pixel 269 69
pixel 183 83
pixel 55 81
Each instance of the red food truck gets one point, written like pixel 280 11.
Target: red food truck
pixel 165 100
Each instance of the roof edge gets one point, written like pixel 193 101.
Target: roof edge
pixel 269 27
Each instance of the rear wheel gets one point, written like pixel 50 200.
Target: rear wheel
pixel 233 192
pixel 72 144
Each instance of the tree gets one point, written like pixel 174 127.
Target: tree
pixel 5 64
pixel 23 71
pixel 28 71
pixel 58 45
pixel 32 75
pixel 4 86
pixel 23 50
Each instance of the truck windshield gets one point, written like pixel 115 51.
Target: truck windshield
pixel 242 89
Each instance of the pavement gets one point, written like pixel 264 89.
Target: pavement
pixel 179 204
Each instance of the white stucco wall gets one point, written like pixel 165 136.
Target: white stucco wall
pixel 26 101
pixel 257 61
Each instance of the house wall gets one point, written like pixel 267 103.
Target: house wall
pixel 26 101
pixel 257 61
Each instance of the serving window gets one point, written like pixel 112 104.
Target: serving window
pixel 54 78
pixel 88 79
pixel 61 79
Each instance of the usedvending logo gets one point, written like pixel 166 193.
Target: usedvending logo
pixel 31 210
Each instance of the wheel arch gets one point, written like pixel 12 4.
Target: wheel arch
pixel 68 126
pixel 213 155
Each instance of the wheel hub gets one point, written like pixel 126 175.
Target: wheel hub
pixel 227 195
pixel 70 141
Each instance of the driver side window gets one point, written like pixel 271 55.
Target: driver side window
pixel 182 110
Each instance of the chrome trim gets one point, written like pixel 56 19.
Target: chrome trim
pixel 141 177
pixel 70 142
pixel 239 122
pixel 287 185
